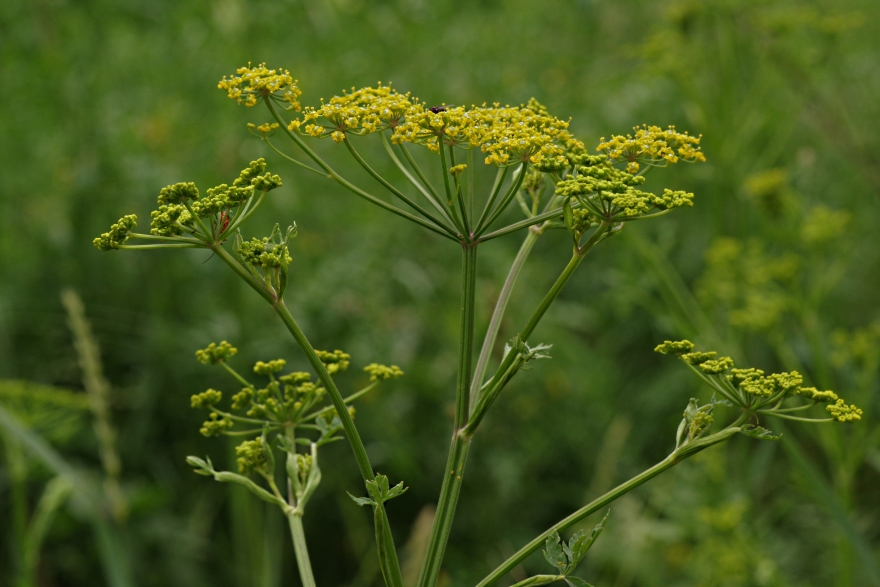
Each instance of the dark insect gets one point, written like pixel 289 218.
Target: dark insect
pixel 438 109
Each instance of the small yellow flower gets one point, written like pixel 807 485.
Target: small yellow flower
pixel 457 170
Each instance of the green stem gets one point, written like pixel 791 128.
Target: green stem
pixel 301 550
pixel 354 439
pixel 394 190
pixel 294 161
pixel 539 312
pixel 235 374
pixel 458 450
pixel 502 205
pixel 500 308
pixel 673 459
pixel 418 171
pixel 422 189
pixel 496 187
pixel 351 187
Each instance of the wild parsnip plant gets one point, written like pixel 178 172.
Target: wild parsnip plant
pixel 555 182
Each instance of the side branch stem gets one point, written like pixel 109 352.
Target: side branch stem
pixel 673 459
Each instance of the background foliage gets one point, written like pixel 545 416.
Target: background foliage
pixel 105 102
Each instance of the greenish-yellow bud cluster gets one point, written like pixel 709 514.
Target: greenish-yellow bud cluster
pixel 269 367
pixel 178 193
pixel 215 353
pixel 384 372
pixel 170 220
pixel 295 377
pixel 716 366
pixel 751 388
pixel 118 234
pixel 251 457
pixel 206 399
pixel 216 425
pixel 335 362
pixel 670 347
pixel 844 413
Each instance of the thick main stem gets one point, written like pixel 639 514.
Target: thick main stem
pixel 458 450
pixel 301 550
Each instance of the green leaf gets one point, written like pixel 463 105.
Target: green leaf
pixel 577 582
pixel 361 501
pixel 758 432
pixel 554 553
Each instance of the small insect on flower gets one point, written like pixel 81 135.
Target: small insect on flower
pixel 439 109
pixel 224 221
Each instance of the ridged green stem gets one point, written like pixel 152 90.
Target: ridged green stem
pixel 300 549
pixel 458 450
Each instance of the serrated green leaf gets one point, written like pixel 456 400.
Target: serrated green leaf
pixel 361 501
pixel 577 582
pixel 554 553
pixel 758 432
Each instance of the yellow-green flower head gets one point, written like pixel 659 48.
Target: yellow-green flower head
pixel 295 378
pixel 269 367
pixel 206 398
pixel 360 112
pixel 844 413
pixel 118 234
pixel 457 170
pixel 383 372
pixel 336 361
pixel 614 194
pixel 701 421
pixel 818 396
pixel 215 353
pixel 243 398
pixel 267 129
pixel 652 145
pixel 697 358
pixel 251 84
pixel 169 220
pixel 674 347
pixel 716 366
pixel 508 135
pixel 178 193
pixel 252 456
pixel 216 425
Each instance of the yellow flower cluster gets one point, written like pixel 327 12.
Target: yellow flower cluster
pixel 360 112
pixel 611 193
pixel 772 387
pixel 250 84
pixel 651 145
pixel 508 134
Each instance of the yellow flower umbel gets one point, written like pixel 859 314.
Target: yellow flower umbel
pixel 652 146
pixel 360 112
pixel 509 135
pixel 251 84
pixel 756 393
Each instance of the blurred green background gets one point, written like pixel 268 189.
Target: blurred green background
pixel 104 102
